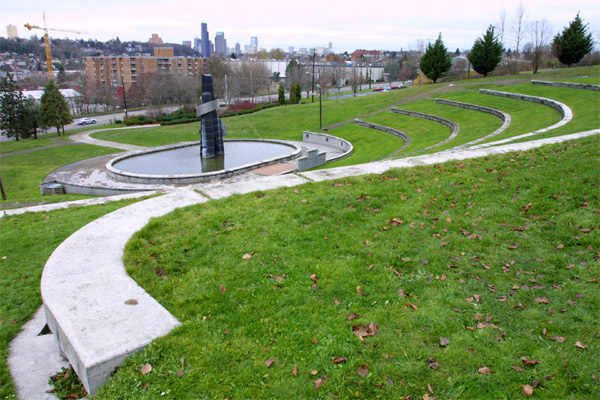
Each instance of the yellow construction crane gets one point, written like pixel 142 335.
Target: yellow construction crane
pixel 47 42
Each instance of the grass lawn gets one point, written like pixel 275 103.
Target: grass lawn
pixel 465 279
pixel 27 242
pixel 473 124
pixel 583 103
pixel 423 133
pixel 370 144
pixel 519 111
pixel 23 173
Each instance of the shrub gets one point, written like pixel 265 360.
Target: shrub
pixel 139 120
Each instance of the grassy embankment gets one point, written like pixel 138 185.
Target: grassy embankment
pixel 481 276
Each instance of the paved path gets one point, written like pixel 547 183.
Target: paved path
pixel 84 137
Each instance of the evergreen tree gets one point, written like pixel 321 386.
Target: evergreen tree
pixel 54 110
pixel 573 43
pixel 298 92
pixel 281 94
pixel 31 116
pixel 293 99
pixel 436 61
pixel 486 53
pixel 11 108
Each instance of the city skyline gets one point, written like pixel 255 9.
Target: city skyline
pixel 389 26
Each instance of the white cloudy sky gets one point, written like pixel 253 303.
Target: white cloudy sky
pixel 349 24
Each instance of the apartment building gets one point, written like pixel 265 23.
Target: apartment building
pixel 114 71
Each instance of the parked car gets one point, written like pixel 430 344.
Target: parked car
pixel 378 90
pixel 85 121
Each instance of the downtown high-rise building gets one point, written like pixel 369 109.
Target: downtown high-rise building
pixel 254 44
pixel 205 41
pixel 220 44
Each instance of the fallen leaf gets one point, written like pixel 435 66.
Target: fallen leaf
pixel 542 300
pixel 518 369
pixel 484 370
pixel 247 256
pixel 444 341
pixel 433 364
pixel 558 339
pixel 295 370
pixel 429 388
pixel 386 356
pixel 580 345
pixel 336 302
pixel 146 369
pixel 180 373
pixel 222 289
pixel 527 391
pixel 414 307
pixel 337 360
pixel 314 372
pixel 401 293
pixel 318 383
pixel 352 316
pixel 359 291
pixel 363 371
pixel 313 277
pixel 269 362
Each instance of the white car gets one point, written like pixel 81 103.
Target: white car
pixel 85 121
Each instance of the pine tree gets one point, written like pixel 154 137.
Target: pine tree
pixel 293 99
pixel 436 61
pixel 573 43
pixel 298 92
pixel 11 108
pixel 281 94
pixel 486 53
pixel 54 110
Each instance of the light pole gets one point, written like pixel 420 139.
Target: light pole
pixel 320 107
pixel 124 98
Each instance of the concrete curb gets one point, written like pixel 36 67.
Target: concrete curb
pixel 97 332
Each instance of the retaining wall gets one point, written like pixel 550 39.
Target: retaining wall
pixel 329 140
pixel 571 85
pixel 446 122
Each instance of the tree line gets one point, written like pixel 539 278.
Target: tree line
pixel 21 117
pixel 569 46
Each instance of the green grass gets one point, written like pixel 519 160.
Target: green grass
pixel 423 133
pixel 23 173
pixel 27 242
pixel 483 228
pixel 473 124
pixel 372 145
pixel 583 103
pixel 24 145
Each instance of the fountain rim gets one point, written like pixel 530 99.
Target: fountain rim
pixel 124 176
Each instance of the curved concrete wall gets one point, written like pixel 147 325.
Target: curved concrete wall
pixel 329 140
pixel 446 122
pixel 504 117
pixel 386 129
pixel 571 85
pixel 563 109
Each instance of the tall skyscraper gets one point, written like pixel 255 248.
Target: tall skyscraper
pixel 238 48
pixel 198 46
pixel 253 44
pixel 11 31
pixel 220 44
pixel 205 41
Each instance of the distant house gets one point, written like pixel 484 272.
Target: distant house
pixel 70 95
pixel 373 56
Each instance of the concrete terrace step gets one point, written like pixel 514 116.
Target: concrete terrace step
pixel 98 313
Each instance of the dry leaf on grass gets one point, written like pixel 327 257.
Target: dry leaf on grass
pixel 527 390
pixel 146 369
pixel 363 370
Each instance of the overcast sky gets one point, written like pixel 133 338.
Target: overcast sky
pixel 349 25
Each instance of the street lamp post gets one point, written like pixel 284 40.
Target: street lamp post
pixel 320 107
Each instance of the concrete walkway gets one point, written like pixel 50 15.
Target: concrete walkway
pixel 84 137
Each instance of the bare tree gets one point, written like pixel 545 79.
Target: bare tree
pixel 540 34
pixel 501 26
pixel 519 28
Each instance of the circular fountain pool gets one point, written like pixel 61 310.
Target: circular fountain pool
pixel 181 163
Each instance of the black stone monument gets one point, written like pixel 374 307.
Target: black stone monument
pixel 213 129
